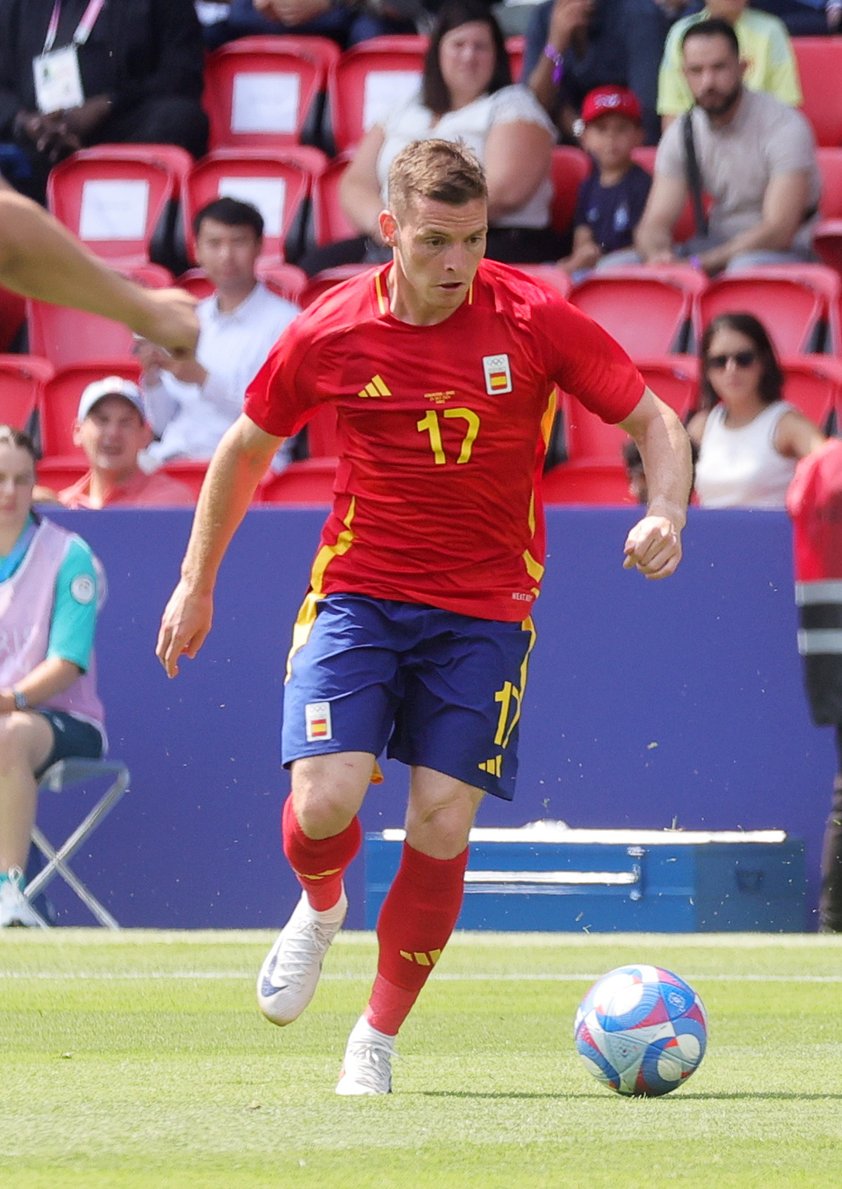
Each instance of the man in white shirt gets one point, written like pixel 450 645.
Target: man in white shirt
pixel 191 402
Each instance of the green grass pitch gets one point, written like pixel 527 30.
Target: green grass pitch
pixel 139 1059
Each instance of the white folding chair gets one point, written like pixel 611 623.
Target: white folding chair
pixel 59 777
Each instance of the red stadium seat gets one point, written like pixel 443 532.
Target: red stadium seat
pixel 261 92
pixel 649 310
pixel 515 46
pixel 320 282
pixel 22 378
pixel 813 383
pixel 369 79
pixel 66 336
pixel 286 279
pixel 549 275
pixel 12 316
pixel 827 243
pixel 675 379
pixel 587 483
pixel 115 197
pixel 827 237
pixel 278 184
pixel 330 223
pixel 589 438
pixel 309 481
pixel 799 304
pixel 820 69
pixel 830 167
pixel 569 167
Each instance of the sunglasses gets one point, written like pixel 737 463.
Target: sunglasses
pixel 740 358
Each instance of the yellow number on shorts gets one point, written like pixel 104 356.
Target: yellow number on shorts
pixel 509 699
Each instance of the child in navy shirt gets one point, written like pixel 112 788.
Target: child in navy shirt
pixel 612 198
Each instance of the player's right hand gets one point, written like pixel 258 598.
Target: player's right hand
pixel 184 627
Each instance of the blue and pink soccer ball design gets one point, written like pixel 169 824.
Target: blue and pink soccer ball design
pixel 641 1030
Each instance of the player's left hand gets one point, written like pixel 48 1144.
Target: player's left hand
pixel 653 547
pixel 168 318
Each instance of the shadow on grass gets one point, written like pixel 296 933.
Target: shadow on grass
pixel 687 1096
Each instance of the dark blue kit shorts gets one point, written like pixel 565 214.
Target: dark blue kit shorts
pixel 71 737
pixel 434 688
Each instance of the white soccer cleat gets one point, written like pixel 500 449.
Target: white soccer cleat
pixel 290 974
pixel 15 909
pixel 367 1068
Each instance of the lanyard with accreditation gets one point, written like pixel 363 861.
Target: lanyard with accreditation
pixel 58 83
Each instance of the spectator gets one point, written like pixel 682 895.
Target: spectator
pixel 612 199
pixel 192 401
pixel 756 159
pixel 749 439
pixel 573 46
pixel 466 95
pixel 806 18
pixel 814 501
pixel 765 49
pixel 74 73
pixel 345 21
pixel 112 429
pixel 52 587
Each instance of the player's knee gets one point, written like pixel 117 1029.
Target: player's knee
pixel 321 812
pixel 16 741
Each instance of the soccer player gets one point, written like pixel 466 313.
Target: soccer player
pixel 39 258
pixel 416 631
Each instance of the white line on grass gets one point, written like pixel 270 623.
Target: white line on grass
pixel 471 977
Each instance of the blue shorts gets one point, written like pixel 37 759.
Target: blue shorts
pixel 71 737
pixel 436 689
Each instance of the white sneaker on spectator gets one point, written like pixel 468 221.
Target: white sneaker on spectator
pixel 290 974
pixel 367 1068
pixel 15 909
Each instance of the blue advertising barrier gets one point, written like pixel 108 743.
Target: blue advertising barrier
pixel 650 705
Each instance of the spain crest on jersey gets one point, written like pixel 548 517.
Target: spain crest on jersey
pixel 498 374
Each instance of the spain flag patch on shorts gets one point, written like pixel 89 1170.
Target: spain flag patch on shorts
pixel 317 721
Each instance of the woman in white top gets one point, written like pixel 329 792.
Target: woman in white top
pixel 749 438
pixel 466 95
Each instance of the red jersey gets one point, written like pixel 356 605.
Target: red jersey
pixel 442 433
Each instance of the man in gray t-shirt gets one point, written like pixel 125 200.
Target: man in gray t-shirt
pixel 757 162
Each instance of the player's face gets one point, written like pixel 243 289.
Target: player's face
pixel 111 435
pixel 228 255
pixel 438 248
pixel 714 75
pixel 466 60
pixel 17 478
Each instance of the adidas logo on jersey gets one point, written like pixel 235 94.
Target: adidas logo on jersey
pixel 376 386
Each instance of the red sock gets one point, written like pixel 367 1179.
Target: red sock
pixel 319 863
pixel 416 921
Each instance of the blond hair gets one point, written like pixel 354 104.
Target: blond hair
pixel 444 170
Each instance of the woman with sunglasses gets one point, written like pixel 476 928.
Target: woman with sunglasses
pixel 749 438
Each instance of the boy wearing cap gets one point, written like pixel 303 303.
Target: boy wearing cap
pixel 612 198
pixel 112 428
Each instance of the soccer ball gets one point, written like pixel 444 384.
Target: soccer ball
pixel 641 1030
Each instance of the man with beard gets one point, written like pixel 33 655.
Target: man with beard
pixel 756 161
